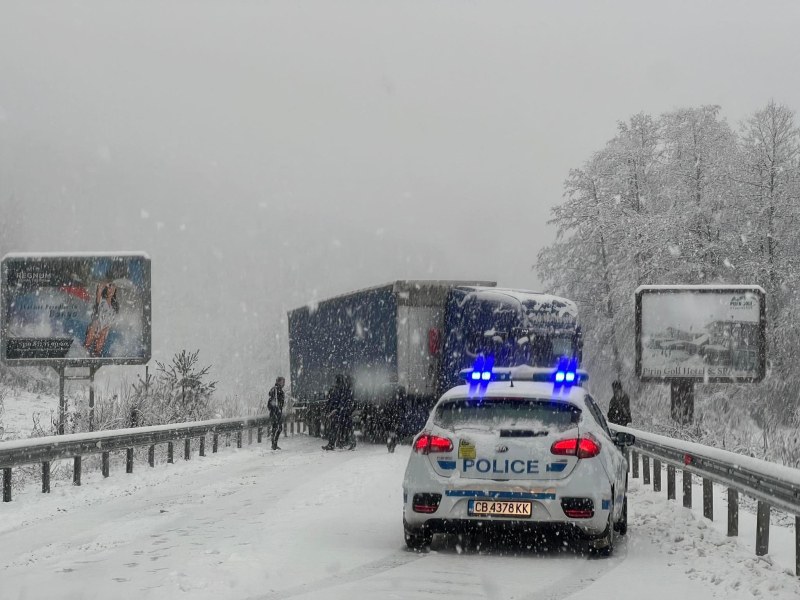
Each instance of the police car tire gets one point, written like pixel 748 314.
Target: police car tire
pixel 608 537
pixel 621 526
pixel 417 541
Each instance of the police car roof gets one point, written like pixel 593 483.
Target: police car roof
pixel 521 390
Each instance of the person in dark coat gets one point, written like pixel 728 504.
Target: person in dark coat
pixel 275 406
pixel 346 435
pixel 619 409
pixel 333 409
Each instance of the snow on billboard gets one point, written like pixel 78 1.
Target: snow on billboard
pixel 705 333
pixel 72 310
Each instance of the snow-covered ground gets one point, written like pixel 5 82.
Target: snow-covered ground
pixel 21 407
pixel 301 523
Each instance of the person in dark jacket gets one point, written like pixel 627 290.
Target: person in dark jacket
pixel 275 406
pixel 345 425
pixel 333 409
pixel 619 409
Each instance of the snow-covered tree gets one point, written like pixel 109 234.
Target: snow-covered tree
pixel 683 198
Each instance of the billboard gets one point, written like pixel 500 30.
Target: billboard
pixel 75 310
pixel 704 333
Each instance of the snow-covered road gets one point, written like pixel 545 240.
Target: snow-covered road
pixel 257 525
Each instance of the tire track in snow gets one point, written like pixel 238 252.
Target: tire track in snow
pixel 387 563
pixel 455 578
pixel 591 571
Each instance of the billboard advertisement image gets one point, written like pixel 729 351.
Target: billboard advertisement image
pixel 704 333
pixel 76 310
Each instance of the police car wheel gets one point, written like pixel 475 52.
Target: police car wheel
pixel 604 546
pixel 417 540
pixel 621 526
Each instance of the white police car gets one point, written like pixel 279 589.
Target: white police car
pixel 517 450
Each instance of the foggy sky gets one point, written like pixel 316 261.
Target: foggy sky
pixel 269 153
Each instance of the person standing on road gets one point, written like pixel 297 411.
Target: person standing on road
pixel 275 406
pixel 333 409
pixel 619 409
pixel 346 425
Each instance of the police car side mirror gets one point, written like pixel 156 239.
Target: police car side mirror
pixel 624 439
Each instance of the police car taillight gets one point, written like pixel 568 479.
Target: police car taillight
pixel 586 447
pixel 427 443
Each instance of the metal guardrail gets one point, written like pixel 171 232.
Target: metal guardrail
pixel 47 449
pixel 772 485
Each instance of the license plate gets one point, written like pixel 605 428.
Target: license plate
pixel 499 508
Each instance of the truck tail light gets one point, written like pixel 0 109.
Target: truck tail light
pixel 427 443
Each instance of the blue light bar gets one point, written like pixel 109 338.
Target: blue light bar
pixel 561 377
pixel 484 377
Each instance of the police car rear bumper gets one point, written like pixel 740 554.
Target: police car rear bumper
pixel 504 529
pixel 547 500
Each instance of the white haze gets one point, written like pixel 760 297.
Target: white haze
pixel 269 153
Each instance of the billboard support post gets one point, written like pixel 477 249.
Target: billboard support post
pixel 682 401
pixel 92 371
pixel 62 402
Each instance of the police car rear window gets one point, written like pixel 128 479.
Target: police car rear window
pixel 507 412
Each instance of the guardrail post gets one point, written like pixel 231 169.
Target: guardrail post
pixel 250 436
pixel 259 433
pixel 670 482
pixel 797 546
pixel 239 439
pixel 203 445
pixel 687 489
pixel 187 449
pixel 76 470
pixel 7 484
pixel 635 463
pixel 762 529
pixel 708 499
pixel 129 460
pixel 656 475
pixel 105 462
pixel 170 452
pixel 151 456
pixel 646 468
pixel 215 443
pixel 46 477
pixel 733 512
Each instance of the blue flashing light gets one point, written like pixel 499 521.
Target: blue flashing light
pixel 566 372
pixel 486 375
pixel 475 375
